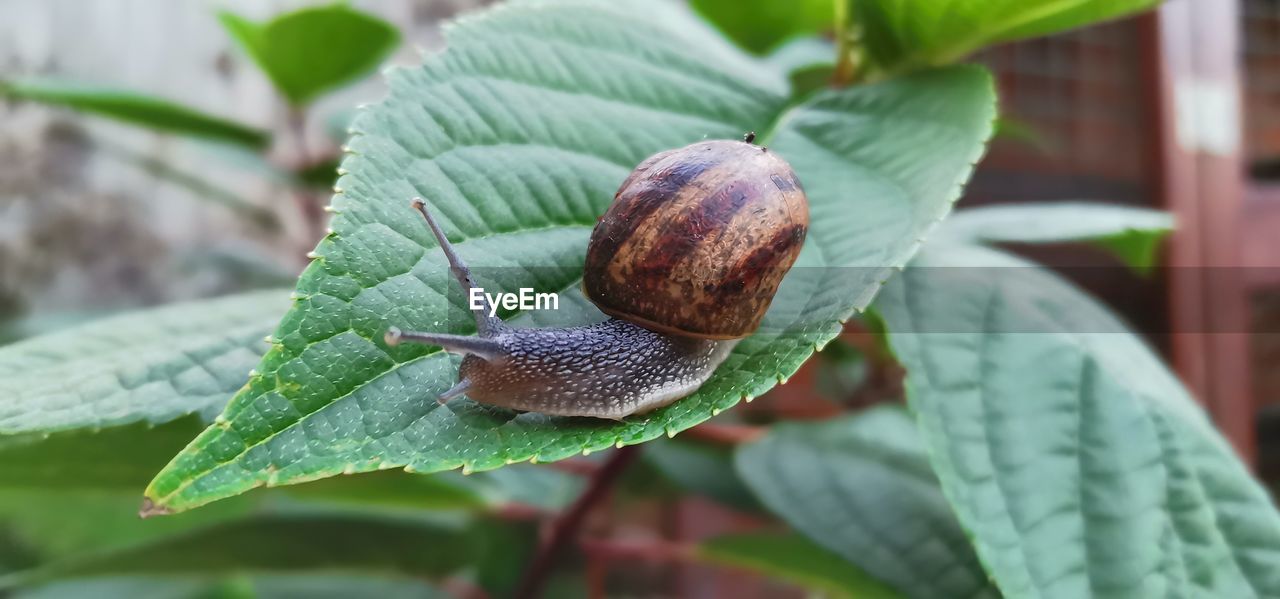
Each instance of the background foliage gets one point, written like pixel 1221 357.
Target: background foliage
pixel 1045 451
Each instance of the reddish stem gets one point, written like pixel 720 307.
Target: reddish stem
pixel 725 434
pixel 568 525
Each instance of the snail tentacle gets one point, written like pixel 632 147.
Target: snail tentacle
pixel 486 325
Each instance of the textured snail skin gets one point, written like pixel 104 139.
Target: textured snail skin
pixel 686 261
pixel 609 370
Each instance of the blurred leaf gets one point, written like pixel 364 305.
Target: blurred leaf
pixel 321 175
pixel 761 25
pixel 124 588
pixel 901 35
pixel 137 109
pixel 502 549
pixel 63 523
pixel 703 470
pixel 278 543
pixel 807 61
pixel 314 49
pixel 235 263
pixel 152 365
pixel 1026 133
pixel 862 487
pixel 532 485
pixel 118 458
pixel 793 558
pixel 519 157
pixel 1132 234
pixel 319 585
pixel 1075 459
pixel 73 519
pixel 310 586
pixel 200 188
pixel 841 371
pixel 394 489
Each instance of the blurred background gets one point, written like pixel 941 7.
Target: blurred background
pixel 1177 110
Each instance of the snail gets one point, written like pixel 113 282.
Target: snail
pixel 685 262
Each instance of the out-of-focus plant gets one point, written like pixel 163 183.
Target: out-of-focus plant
pixel 1044 450
pixel 304 53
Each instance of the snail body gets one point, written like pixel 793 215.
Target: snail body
pixel 685 262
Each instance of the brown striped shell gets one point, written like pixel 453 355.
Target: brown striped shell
pixel 698 239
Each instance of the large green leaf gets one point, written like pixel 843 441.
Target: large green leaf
pixel 135 108
pixel 148 366
pixel 116 458
pixel 906 34
pixel 1132 234
pixel 1075 459
pixel 794 558
pixel 862 487
pixel 314 49
pixel 760 25
pixel 276 586
pixel 701 469
pixel 519 135
pixel 278 543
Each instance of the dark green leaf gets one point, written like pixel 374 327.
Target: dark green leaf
pixel 841 371
pixel 279 543
pixel 862 487
pixel 703 470
pixel 808 63
pixel 64 523
pixel 115 458
pixel 134 108
pixel 147 366
pixel 280 586
pixel 793 558
pixel 519 157
pixel 1131 234
pixel 314 49
pixel 502 548
pixel 761 25
pixel 1075 459
pixel 900 35
pixel 393 489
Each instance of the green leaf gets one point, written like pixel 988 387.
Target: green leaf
pixel 518 157
pixel 395 490
pixel 70 520
pixel 900 35
pixel 137 109
pixel 147 366
pixel 761 25
pixel 862 487
pixel 118 458
pixel 278 586
pixel 702 469
pixel 1132 234
pixel 1075 459
pixel 793 558
pixel 808 63
pixel 315 49
pixel 841 370
pixel 64 523
pixel 278 543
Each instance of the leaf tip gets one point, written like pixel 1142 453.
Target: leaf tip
pixel 151 509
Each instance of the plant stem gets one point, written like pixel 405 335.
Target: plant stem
pixel 847 54
pixel 308 203
pixel 567 526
